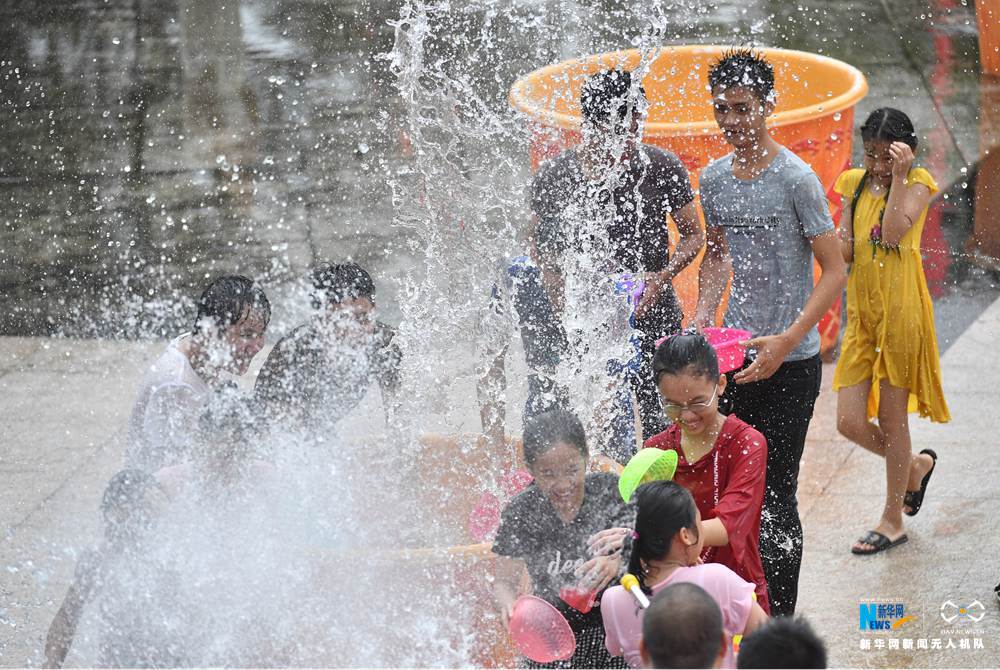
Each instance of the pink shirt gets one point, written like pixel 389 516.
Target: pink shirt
pixel 623 616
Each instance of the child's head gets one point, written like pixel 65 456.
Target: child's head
pixel 682 628
pixel 667 522
pixel 783 642
pixel 129 505
pixel 883 127
pixel 742 87
pixel 686 372
pixel 555 450
pixel 233 312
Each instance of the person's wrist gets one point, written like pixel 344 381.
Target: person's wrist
pixel 789 339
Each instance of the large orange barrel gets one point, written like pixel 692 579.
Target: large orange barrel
pixel 814 117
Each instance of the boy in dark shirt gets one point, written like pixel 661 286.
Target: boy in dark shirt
pixel 321 371
pixel 624 190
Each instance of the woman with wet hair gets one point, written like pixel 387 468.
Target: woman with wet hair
pixel 721 459
pixel 889 364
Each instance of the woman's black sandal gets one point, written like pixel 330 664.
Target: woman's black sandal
pixel 914 499
pixel 878 542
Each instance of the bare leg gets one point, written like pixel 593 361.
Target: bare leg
pixel 853 423
pixel 894 423
pixel 852 419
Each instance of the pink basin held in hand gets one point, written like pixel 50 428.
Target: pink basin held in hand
pixel 540 631
pixel 726 342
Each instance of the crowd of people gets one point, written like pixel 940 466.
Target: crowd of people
pixel 718 548
pixel 724 537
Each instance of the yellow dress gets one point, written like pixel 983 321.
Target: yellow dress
pixel 890 318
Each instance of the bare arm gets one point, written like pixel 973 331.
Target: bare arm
pixel 61 633
pixel 756 619
pixel 715 532
pixel 906 204
pixel 716 268
pixel 906 201
pixel 62 630
pixel 827 289
pixel 692 239
pixel 509 574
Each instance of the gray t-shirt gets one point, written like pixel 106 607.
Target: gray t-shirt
pixel 768 223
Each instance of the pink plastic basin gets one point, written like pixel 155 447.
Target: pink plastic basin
pixel 726 342
pixel 540 631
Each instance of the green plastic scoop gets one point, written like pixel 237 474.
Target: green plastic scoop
pixel 647 465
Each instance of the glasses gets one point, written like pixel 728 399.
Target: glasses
pixel 674 411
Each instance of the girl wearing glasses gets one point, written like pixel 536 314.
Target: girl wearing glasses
pixel 721 460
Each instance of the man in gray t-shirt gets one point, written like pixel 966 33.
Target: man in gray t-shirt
pixel 767 217
pixel 769 223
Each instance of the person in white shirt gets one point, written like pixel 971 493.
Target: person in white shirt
pixel 233 313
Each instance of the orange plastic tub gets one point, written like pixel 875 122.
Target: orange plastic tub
pixel 814 117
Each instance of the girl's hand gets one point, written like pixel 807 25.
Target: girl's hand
pixel 597 573
pixel 902 160
pixel 607 542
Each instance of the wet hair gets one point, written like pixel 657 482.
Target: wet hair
pixel 127 492
pixel 886 124
pixel 662 509
pixel 333 284
pixel 783 642
pixel 230 299
pixel 686 352
pixel 682 628
pixel 743 67
pixel 607 96
pixel 543 431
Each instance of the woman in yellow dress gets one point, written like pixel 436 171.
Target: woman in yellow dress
pixel 889 362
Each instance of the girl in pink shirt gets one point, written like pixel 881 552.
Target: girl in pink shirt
pixel 668 541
